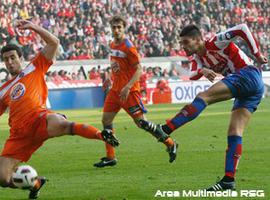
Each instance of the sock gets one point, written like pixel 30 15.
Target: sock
pixel 233 154
pixel 187 113
pixel 166 129
pixel 86 131
pixel 37 184
pixel 110 152
pixel 227 179
pixel 168 142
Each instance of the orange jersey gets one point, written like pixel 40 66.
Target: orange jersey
pixel 26 94
pixel 123 58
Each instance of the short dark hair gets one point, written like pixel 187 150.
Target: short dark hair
pixel 190 30
pixel 11 47
pixel 118 18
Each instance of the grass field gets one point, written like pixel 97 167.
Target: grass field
pixel 143 166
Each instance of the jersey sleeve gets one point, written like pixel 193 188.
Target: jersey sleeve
pixel 224 38
pixel 196 67
pixel 133 56
pixel 42 63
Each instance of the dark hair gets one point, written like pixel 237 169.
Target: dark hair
pixel 190 30
pixel 118 18
pixel 11 47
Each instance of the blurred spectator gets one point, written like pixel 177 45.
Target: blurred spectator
pixel 106 80
pixel 165 73
pixel 157 72
pixel 173 72
pixel 143 79
pixel 93 74
pixel 149 72
pixel 64 76
pixel 56 78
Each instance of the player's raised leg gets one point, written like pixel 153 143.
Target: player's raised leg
pixel 57 125
pixel 217 92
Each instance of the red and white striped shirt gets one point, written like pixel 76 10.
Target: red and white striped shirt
pixel 222 55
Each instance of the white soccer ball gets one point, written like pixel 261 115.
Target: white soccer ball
pixel 25 177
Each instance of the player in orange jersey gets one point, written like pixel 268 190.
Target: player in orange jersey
pixel 29 120
pixel 126 71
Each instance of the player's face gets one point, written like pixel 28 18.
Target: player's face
pixel 12 62
pixel 190 44
pixel 118 30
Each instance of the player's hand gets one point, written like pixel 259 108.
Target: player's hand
pixel 262 60
pixel 209 74
pixel 22 24
pixel 124 93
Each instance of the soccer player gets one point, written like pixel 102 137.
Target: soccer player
pixel 242 81
pixel 30 122
pixel 126 71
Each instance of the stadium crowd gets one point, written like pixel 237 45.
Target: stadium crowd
pixel 98 74
pixel 83 25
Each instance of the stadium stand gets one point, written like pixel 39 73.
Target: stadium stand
pixel 83 28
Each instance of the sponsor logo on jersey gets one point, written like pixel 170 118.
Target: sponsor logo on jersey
pixel 17 91
pixel 115 66
pixel 228 35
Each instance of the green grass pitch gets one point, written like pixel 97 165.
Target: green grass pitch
pixel 143 166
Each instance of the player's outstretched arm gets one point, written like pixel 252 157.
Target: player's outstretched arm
pixel 52 42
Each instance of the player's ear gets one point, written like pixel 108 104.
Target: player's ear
pixel 198 38
pixel 22 59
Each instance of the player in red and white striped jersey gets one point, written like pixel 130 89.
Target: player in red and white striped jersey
pixel 222 55
pixel 242 81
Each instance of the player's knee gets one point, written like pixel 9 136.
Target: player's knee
pixel 204 96
pixel 201 95
pixel 65 126
pixel 235 131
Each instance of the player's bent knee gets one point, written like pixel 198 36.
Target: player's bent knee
pixel 204 96
pixel 64 127
pixel 201 95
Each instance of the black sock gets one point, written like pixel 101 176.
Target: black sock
pixel 166 129
pixel 227 179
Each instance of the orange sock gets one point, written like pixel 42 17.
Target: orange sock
pixel 110 151
pixel 37 184
pixel 168 142
pixel 86 131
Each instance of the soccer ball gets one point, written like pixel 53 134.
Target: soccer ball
pixel 25 177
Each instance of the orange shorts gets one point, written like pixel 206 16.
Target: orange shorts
pixel 133 106
pixel 23 142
